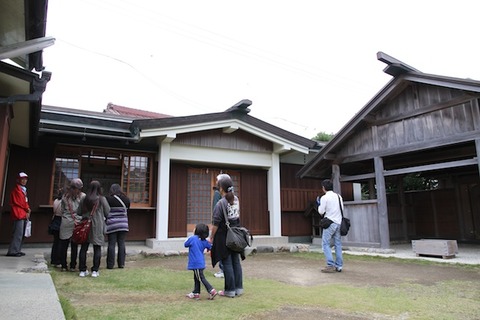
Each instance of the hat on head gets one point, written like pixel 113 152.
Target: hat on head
pixel 22 175
pixel 76 183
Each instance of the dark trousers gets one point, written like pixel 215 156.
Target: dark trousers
pixel 116 239
pixel 73 253
pixel 56 252
pixel 198 277
pixel 97 255
pixel 17 237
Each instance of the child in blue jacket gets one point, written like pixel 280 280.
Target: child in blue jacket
pixel 196 245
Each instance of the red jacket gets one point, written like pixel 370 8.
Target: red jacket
pixel 19 203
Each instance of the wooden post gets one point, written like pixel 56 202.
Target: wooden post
pixel 336 179
pixel 477 146
pixel 382 204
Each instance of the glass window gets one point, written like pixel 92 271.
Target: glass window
pixel 132 170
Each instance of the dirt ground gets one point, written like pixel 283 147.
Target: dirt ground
pixel 291 269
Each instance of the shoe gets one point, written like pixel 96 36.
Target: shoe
pixel 328 269
pixel 222 294
pixel 72 269
pixel 192 295
pixel 14 254
pixel 213 294
pixel 121 267
pixel 83 274
pixel 63 270
pixel 218 274
pixel 22 253
pixel 109 267
pixel 338 269
pixel 95 274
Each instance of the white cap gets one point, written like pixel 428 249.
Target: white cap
pixel 22 175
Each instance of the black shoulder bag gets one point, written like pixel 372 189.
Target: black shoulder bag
pixel 345 225
pixel 238 238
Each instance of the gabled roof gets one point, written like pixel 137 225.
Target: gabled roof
pixel 403 75
pixel 234 118
pixel 111 126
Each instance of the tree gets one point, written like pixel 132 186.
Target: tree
pixel 323 136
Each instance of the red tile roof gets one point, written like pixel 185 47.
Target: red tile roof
pixel 136 113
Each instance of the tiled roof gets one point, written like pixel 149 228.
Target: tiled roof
pixel 136 113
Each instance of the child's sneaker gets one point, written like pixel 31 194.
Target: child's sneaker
pixel 192 295
pixel 213 293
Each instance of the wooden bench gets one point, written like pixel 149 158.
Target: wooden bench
pixel 435 247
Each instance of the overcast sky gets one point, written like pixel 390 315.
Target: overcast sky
pixel 307 65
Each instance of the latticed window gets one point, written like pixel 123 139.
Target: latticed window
pixel 136 178
pixel 66 169
pixel 200 194
pixel 132 170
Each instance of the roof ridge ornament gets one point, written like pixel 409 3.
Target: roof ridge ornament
pixel 395 67
pixel 241 106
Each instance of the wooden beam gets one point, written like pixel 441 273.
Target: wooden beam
pixel 424 110
pixel 429 167
pixel 382 204
pixel 426 145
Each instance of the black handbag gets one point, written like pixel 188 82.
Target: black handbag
pixel 238 238
pixel 325 223
pixel 54 225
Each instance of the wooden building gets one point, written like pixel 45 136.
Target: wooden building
pixel 168 166
pixel 420 126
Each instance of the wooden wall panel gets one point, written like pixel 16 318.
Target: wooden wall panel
pixel 177 211
pixel 296 224
pixel 238 140
pixel 253 205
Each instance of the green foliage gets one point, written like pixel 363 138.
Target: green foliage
pixel 323 136
pixel 411 182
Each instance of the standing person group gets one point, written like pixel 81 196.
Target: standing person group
pixel 69 206
pixel 331 206
pixel 232 269
pixel 117 225
pixel 95 207
pixel 196 245
pixel 20 213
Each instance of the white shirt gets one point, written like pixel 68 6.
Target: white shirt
pixel 329 205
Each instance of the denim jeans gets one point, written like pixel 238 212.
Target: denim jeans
pixel 232 272
pixel 333 232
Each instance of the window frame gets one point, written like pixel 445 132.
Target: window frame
pixel 79 153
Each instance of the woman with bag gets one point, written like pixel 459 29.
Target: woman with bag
pixel 94 207
pixel 70 202
pixel 232 268
pixel 117 225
